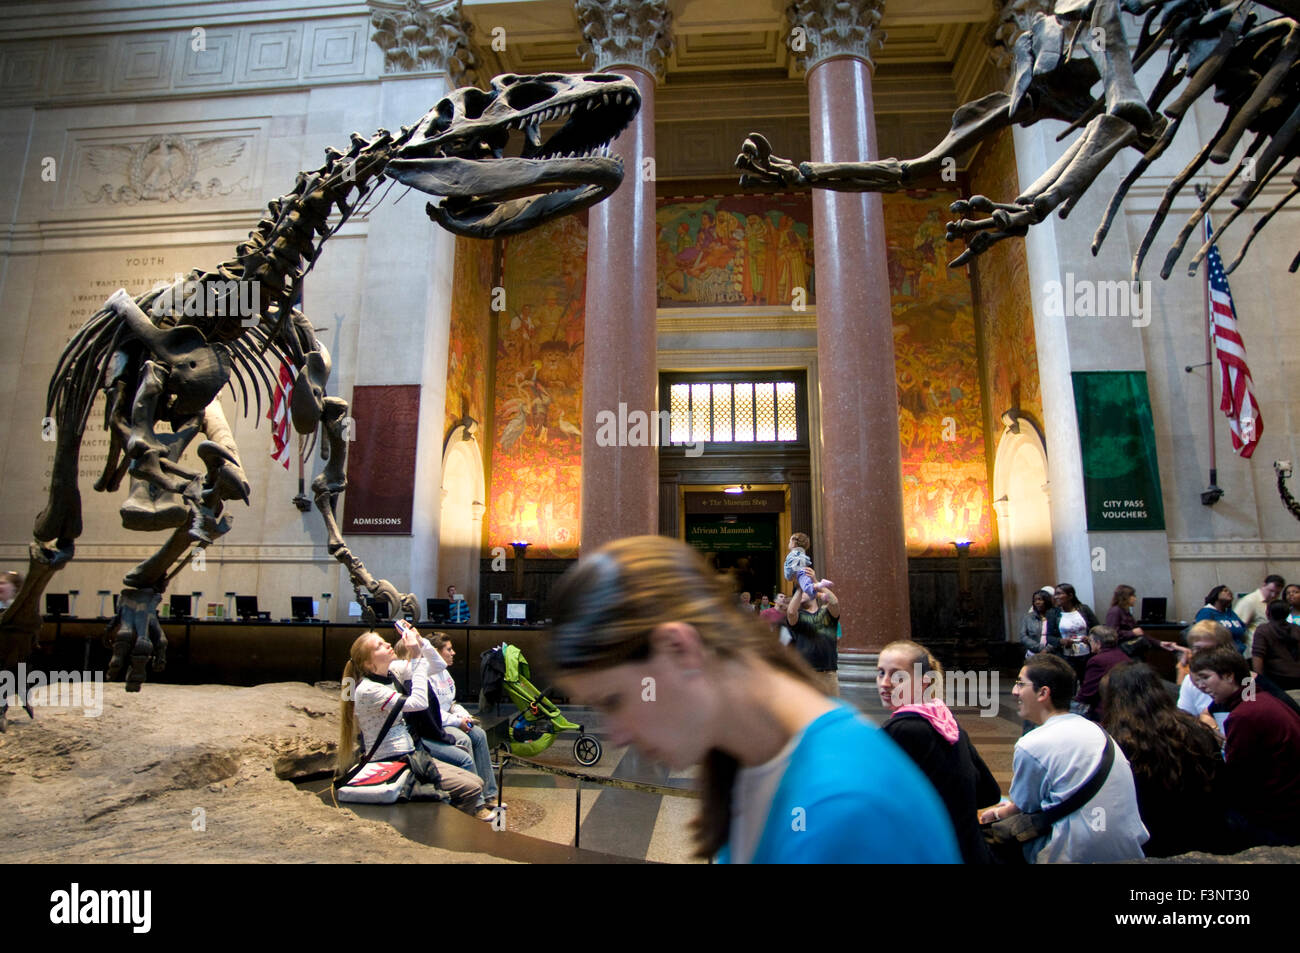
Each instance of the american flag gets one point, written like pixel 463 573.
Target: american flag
pixel 278 414
pixel 1238 390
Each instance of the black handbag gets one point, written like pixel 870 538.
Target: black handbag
pixel 1025 827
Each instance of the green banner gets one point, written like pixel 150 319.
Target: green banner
pixel 730 537
pixel 1121 479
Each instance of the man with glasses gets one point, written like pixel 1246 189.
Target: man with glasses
pixel 1059 757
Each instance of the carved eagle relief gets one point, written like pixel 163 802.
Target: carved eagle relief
pixel 163 168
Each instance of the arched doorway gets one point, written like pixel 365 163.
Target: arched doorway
pixel 461 528
pixel 1020 498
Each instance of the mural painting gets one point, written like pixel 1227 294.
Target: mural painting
pixel 469 336
pixel 1005 313
pixel 940 417
pixel 537 434
pixel 734 250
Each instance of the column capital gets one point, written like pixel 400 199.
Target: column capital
pixel 420 36
pixel 1011 18
pixel 821 29
pixel 625 33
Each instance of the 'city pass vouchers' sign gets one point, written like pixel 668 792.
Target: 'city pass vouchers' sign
pixel 1121 479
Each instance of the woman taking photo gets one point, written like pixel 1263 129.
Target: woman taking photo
pixel 1218 608
pixel 374 680
pixel 924 727
pixel 1175 761
pixel 1033 627
pixel 646 635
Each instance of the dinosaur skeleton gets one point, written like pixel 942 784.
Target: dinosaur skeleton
pixel 1248 58
pixel 165 356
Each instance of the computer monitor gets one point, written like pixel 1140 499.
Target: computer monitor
pixel 303 607
pixel 379 607
pixel 519 612
pixel 246 607
pixel 1154 609
pixel 439 609
pixel 181 606
pixel 56 603
pixel 354 609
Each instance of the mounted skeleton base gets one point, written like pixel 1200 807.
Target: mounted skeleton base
pixel 1249 61
pixel 162 358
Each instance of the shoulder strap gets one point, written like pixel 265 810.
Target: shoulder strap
pixel 383 733
pixel 1090 787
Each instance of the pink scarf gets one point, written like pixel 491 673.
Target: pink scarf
pixel 939 717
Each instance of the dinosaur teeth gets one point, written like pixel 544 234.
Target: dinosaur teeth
pixel 534 136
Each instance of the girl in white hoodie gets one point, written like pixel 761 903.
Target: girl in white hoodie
pixel 456 721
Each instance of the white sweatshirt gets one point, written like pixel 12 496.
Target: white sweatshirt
pixel 444 688
pixel 374 700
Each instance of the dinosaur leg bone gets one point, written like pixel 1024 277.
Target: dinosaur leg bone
pixel 326 488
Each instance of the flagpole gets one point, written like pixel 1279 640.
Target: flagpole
pixel 1213 493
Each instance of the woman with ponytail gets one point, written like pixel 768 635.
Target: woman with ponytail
pixel 645 633
pixel 910 682
pixel 374 680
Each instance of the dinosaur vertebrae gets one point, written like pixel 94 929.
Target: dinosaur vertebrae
pixel 284 245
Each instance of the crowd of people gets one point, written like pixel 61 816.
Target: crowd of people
pixel 1115 762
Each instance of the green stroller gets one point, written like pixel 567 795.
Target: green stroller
pixel 504 672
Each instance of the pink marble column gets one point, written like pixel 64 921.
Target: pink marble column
pixel 864 549
pixel 620 484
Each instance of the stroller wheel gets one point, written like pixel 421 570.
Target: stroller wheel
pixel 586 750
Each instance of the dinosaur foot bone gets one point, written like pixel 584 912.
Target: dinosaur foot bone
pixel 139 642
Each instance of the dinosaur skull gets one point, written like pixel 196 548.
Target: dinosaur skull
pixel 458 150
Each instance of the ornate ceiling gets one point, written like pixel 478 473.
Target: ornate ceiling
pixel 731 71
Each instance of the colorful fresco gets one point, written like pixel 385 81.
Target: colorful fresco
pixel 470 333
pixel 537 433
pixel 940 420
pixel 1005 312
pixel 734 250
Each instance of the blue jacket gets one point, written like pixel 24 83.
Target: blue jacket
pixel 851 796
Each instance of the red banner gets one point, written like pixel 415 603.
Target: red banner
pixel 381 460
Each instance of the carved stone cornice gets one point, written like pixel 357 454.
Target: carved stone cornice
pixel 625 33
pixel 1011 18
pixel 419 36
pixel 821 29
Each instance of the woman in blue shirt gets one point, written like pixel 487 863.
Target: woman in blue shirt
pixel 646 634
pixel 1218 608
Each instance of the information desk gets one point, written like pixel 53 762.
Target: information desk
pixel 223 652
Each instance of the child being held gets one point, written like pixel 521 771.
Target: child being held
pixel 798 565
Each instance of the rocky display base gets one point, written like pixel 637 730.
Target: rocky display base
pixel 185 774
